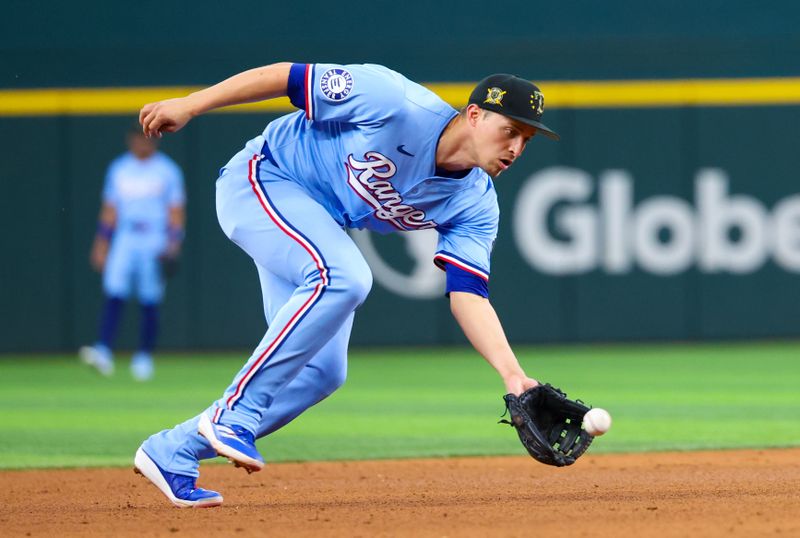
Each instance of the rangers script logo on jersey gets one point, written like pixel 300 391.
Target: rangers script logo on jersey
pixel 368 178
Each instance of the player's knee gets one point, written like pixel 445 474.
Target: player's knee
pixel 335 375
pixel 356 285
pixel 117 291
pixel 364 284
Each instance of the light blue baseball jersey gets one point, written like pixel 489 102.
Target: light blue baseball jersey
pixel 364 146
pixel 142 191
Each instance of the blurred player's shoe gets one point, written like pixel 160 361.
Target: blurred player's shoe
pixel 178 488
pixel 142 366
pixel 232 442
pixel 98 357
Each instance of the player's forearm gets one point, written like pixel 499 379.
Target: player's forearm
pixel 175 230
pixel 256 84
pixel 480 324
pixel 106 223
pixel 108 215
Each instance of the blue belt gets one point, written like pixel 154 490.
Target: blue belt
pixel 267 154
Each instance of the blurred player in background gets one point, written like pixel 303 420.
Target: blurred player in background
pixel 367 149
pixel 139 235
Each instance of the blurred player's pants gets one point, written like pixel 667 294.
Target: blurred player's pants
pixel 133 262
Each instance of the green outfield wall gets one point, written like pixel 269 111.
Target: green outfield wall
pixel 668 211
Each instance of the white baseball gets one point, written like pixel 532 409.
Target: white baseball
pixel 596 421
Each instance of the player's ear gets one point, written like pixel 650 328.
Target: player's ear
pixel 472 114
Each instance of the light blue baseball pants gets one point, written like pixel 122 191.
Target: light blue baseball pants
pixel 133 262
pixel 312 279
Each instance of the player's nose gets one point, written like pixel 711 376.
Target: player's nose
pixel 516 147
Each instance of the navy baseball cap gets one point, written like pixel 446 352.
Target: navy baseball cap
pixel 513 97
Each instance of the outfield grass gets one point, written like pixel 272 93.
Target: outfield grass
pixel 414 402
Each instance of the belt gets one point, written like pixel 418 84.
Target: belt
pixel 267 154
pixel 140 227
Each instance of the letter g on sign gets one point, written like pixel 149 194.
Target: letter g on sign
pixel 557 191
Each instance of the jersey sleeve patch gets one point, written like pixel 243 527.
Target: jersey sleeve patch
pixel 336 84
pixel 445 259
pixel 298 89
pixel 460 280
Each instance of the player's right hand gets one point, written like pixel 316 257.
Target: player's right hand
pixel 99 254
pixel 164 116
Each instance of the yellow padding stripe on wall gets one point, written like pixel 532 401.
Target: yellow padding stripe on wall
pixel 105 101
pixel 654 93
pixel 582 94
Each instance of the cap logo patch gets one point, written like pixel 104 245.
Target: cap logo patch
pixel 336 84
pixel 494 96
pixel 537 102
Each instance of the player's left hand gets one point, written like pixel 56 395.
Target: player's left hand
pixel 549 424
pixel 165 116
pixel 169 266
pixel 173 250
pixel 517 384
pixel 169 259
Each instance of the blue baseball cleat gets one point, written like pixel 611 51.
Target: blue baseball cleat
pixel 232 442
pixel 179 489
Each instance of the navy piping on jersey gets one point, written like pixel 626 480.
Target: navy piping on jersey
pixel 443 257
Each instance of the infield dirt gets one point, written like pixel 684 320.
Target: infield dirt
pixel 710 494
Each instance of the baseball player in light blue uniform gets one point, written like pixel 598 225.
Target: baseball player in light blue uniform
pixel 368 148
pixel 141 223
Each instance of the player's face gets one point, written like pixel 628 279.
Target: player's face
pixel 141 146
pixel 500 141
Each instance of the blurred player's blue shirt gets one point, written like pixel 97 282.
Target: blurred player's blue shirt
pixel 364 146
pixel 142 191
